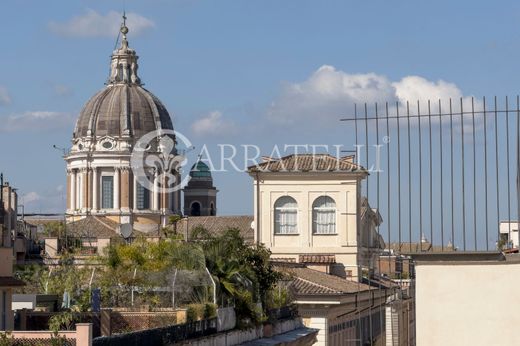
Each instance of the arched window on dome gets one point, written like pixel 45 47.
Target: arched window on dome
pixel 324 215
pixel 212 209
pixel 285 216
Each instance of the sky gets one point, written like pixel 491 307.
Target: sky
pixel 255 72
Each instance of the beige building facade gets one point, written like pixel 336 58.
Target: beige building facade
pixel 467 301
pixel 316 216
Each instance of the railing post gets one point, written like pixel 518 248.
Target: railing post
pixel 84 334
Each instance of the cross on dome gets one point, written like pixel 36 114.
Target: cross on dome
pixel 123 67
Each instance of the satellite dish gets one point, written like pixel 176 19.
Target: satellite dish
pixel 253 224
pixel 40 228
pixel 126 230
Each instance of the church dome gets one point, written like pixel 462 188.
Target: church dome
pixel 120 110
pixel 123 108
pixel 200 170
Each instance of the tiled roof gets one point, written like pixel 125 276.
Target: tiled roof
pixel 219 224
pixel 93 227
pixel 307 163
pixel 426 246
pixel 313 258
pixel 308 281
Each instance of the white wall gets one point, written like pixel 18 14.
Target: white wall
pixel 507 227
pixel 468 304
pixel 305 188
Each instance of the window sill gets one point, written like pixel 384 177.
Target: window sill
pixel 289 234
pixel 325 234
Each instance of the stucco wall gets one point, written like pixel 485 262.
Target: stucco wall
pixel 467 304
pixel 305 189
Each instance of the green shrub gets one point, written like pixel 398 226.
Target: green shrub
pixel 195 312
pixel 210 310
pixel 6 339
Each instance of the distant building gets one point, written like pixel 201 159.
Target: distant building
pixel 509 234
pixel 347 313
pixel 200 196
pixel 309 209
pixel 310 213
pixel 100 180
pixel 216 225
pixel 8 212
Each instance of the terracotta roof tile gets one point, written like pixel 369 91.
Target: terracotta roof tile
pixel 308 281
pixel 93 227
pixel 219 224
pixel 314 258
pixel 307 163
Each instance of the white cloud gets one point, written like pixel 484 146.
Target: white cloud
pixel 5 99
pixel 330 94
pixel 31 197
pixel 94 24
pixel 35 121
pixel 413 88
pixel 51 200
pixel 214 124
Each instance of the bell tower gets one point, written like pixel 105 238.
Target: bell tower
pixel 200 196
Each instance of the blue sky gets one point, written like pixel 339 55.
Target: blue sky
pixel 259 72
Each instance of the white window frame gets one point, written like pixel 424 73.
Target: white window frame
pixel 315 211
pixel 277 212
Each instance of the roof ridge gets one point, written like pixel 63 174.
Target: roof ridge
pixel 103 223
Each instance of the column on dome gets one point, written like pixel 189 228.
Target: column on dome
pixel 79 188
pixel 89 189
pixel 73 189
pixel 134 194
pixel 84 188
pixel 95 188
pixel 117 193
pixel 165 203
pixel 69 176
pixel 125 188
pixel 176 204
pixel 155 201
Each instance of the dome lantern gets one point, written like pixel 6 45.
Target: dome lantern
pixel 123 67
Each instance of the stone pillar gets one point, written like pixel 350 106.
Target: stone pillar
pixel 83 334
pixel 69 201
pixel 117 193
pixel 95 189
pixel 125 188
pixel 73 190
pixel 84 188
pixel 134 194
pixel 164 195
pixel 155 204
pixel 89 189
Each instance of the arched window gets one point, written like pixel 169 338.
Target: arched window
pixel 285 216
pixel 324 215
pixel 195 209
